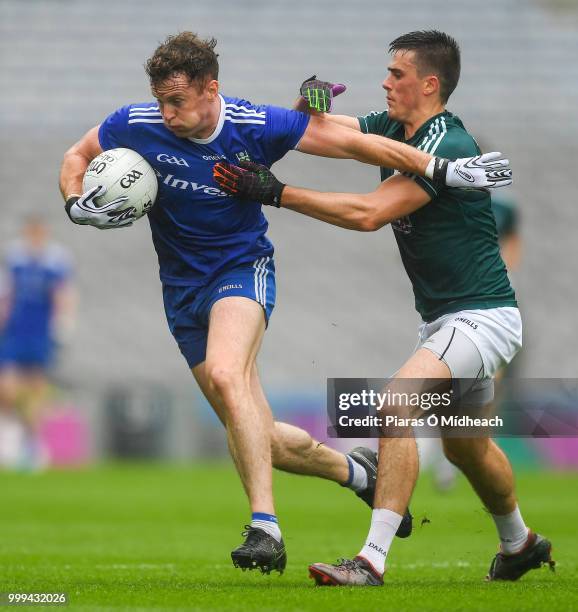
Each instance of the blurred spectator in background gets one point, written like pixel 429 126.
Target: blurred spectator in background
pixel 37 307
pixel 507 218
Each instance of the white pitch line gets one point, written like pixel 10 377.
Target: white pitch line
pixel 141 566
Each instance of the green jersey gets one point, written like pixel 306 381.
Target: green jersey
pixel 449 247
pixel 506 216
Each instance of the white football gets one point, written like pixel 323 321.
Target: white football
pixel 124 173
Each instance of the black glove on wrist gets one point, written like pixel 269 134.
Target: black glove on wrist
pixel 440 171
pixel 69 203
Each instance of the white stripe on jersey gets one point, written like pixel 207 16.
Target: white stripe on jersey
pixel 438 129
pixel 433 139
pixel 433 134
pixel 146 121
pixel 250 111
pixel 243 116
pixel 257 122
pixel 143 108
pixel 151 115
pixel 233 113
pixel 426 138
pixel 443 133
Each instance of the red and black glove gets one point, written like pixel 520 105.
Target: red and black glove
pixel 249 181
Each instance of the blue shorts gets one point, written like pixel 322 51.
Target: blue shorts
pixel 188 308
pixel 26 352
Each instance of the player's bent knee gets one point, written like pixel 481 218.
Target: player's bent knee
pixel 226 381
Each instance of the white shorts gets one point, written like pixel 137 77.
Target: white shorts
pixel 474 344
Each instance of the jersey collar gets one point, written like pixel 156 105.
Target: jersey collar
pixel 218 127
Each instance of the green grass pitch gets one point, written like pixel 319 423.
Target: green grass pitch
pixel 141 536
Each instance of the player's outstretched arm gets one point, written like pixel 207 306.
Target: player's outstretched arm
pixel 82 208
pixel 331 140
pixel 316 98
pixel 344 120
pixel 327 139
pixel 394 198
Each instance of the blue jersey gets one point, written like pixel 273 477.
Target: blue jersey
pixel 32 279
pixel 198 230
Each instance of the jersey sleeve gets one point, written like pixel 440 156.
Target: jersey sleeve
pixel 113 131
pixel 284 129
pixel 374 123
pixel 451 144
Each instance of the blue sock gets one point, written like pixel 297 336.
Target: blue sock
pixel 267 523
pixel 350 476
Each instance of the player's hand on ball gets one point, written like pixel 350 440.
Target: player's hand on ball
pixel 488 171
pixel 319 94
pixel 84 210
pixel 249 181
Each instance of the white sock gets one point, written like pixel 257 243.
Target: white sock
pixel 512 531
pixel 384 524
pixel 267 523
pixel 357 475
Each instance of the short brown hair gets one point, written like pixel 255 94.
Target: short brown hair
pixel 183 53
pixel 436 53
